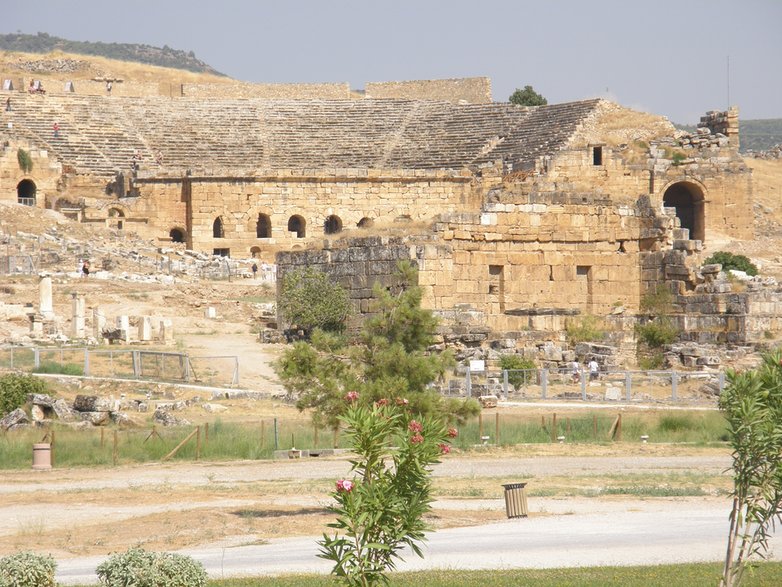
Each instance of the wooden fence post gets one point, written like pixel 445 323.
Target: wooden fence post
pixel 180 445
pixel 52 448
pixel 554 428
pixel 114 450
pixel 315 440
pixel 497 428
pixel 594 425
pixel 480 427
pixel 101 437
pixel 198 443
pixel 263 433
pixel 206 433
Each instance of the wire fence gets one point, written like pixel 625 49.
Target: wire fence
pixel 124 364
pixel 613 385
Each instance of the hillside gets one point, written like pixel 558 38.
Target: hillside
pixel 58 65
pixel 132 52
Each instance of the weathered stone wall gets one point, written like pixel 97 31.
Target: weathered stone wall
pixel 390 198
pixel 356 265
pixel 324 91
pixel 473 90
pixel 545 253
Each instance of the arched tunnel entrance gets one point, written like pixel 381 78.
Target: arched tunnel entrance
pixel 688 200
pixel 25 192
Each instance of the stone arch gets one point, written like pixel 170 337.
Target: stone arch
pixel 116 218
pixel 688 199
pixel 298 225
pixel 218 228
pixel 255 252
pixel 263 226
pixel 365 222
pixel 26 191
pixel 178 235
pixel 332 224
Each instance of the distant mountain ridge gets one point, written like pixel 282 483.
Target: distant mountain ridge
pixel 163 57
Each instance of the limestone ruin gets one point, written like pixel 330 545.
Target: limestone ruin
pixel 521 217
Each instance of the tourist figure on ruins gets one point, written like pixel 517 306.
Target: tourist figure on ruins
pixel 134 162
pixel 85 269
pixel 8 104
pixel 255 270
pixel 594 369
pixel 56 130
pixel 108 87
pixel 31 87
pixel 158 157
pixel 576 371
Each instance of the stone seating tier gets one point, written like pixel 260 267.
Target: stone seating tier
pixel 99 135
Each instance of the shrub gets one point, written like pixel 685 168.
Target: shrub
pixel 25 161
pixel 657 302
pixel 651 361
pixel 61 368
pixel 27 569
pixel 657 333
pixel 587 329
pixel 730 261
pixel 14 389
pixel 519 368
pixel 139 568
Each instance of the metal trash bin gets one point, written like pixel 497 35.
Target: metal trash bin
pixel 515 500
pixel 42 456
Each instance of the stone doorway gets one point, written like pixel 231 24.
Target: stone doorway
pixel 26 191
pixel 687 198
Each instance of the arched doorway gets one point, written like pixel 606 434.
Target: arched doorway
pixel 332 225
pixel 177 235
pixel 116 218
pixel 298 225
pixel 263 228
pixel 25 192
pixel 687 199
pixel 255 252
pixel 218 231
pixel 365 222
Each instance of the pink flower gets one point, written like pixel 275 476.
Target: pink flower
pixel 416 438
pixel 453 433
pixel 351 396
pixel 444 448
pixel 415 426
pixel 381 402
pixel 344 485
pixel 401 401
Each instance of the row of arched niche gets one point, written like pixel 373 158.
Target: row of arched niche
pixel 297 226
pixel 686 197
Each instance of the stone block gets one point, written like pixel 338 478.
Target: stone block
pixel 92 403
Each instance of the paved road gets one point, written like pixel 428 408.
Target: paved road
pixel 647 532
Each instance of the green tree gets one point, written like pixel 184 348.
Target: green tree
pixel 527 97
pixel 380 510
pixel 388 358
pixel 752 404
pixel 310 300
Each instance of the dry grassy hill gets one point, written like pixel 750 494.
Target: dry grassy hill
pixel 58 65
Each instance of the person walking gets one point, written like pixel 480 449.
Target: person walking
pixel 594 369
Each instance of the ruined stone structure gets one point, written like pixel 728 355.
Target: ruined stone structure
pixel 526 215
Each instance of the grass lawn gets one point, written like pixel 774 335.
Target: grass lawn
pixel 690 575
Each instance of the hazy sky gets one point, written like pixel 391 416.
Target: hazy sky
pixel 669 57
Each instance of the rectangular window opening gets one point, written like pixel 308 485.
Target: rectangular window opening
pixel 597 155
